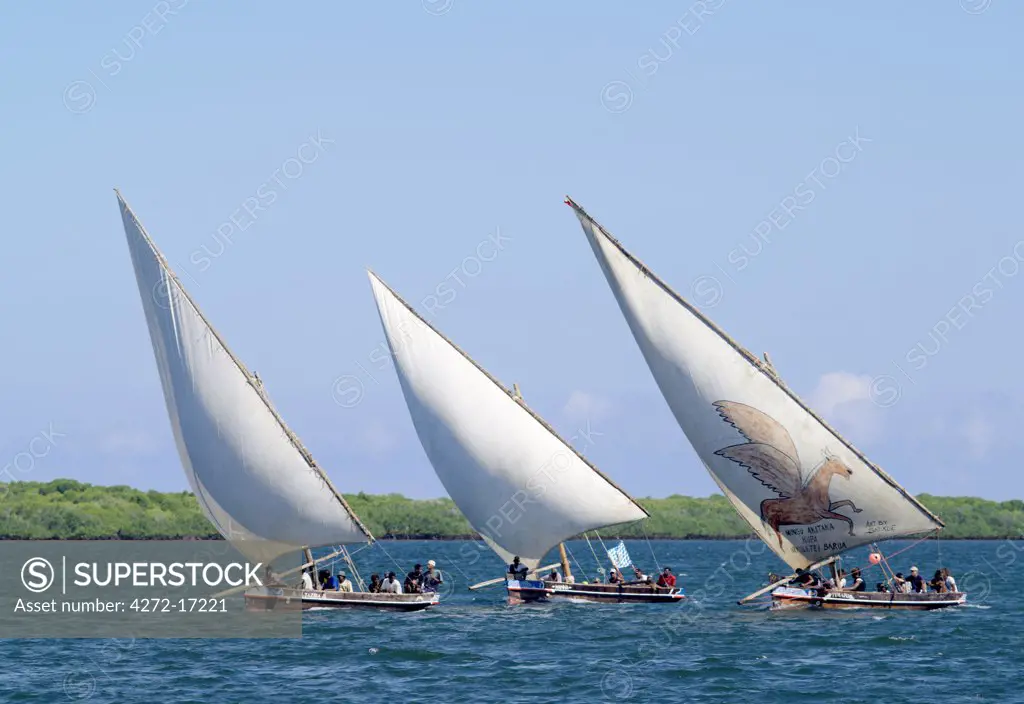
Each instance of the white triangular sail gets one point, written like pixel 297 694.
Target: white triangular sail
pixel 780 465
pixel 251 475
pixel 521 486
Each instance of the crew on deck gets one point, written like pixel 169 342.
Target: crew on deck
pixel 517 569
pixel 391 585
pixel 950 582
pixel 431 579
pixel 916 581
pixel 307 579
pixel 666 579
pixel 413 580
pixel 344 583
pixel 857 585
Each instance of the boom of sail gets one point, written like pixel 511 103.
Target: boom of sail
pixel 806 491
pixel 253 478
pixel 520 486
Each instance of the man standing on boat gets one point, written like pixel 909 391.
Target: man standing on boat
pixel 431 579
pixel 307 580
pixel 517 569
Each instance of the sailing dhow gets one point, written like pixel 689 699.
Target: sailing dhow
pixel 522 487
pixel 806 491
pixel 253 478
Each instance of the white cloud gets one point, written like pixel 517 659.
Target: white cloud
pixel 844 399
pixel 583 406
pixel 979 434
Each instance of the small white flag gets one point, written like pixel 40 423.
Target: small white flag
pixel 619 556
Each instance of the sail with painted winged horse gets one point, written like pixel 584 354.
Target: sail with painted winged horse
pixel 806 491
pixel 253 478
pixel 522 487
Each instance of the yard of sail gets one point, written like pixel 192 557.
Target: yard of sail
pixel 806 491
pixel 245 467
pixel 520 486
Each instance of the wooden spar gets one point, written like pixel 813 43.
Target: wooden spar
pixel 787 580
pixel 311 563
pixel 352 565
pixel 566 572
pixel 492 582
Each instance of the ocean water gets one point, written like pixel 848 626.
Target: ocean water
pixel 476 648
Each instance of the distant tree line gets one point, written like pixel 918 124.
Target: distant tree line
pixel 68 509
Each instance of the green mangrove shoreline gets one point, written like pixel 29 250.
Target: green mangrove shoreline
pixel 65 509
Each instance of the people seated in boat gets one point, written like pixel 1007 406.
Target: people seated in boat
pixel 613 576
pixel 881 587
pixel 391 585
pixel 327 580
pixel 376 585
pixel 857 585
pixel 950 582
pixel 431 579
pixel 916 581
pixel 841 582
pixel 413 580
pixel 344 583
pixel 900 584
pixel 517 569
pixel 553 576
pixel 641 578
pixel 805 579
pixel 666 579
pixel 938 583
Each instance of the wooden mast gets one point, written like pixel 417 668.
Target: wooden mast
pixel 566 572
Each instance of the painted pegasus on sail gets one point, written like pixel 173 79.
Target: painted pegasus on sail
pixel 771 457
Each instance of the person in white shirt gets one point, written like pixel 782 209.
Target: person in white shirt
pixel 307 581
pixel 842 580
pixel 344 583
pixel 391 585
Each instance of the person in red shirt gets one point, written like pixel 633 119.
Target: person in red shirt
pixel 666 578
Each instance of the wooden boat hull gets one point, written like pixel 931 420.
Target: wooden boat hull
pixel 534 591
pixel 794 597
pixel 263 599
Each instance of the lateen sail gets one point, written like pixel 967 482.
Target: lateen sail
pixel 522 487
pixel 252 477
pixel 807 492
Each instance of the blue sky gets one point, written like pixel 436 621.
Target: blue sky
pixel 411 138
